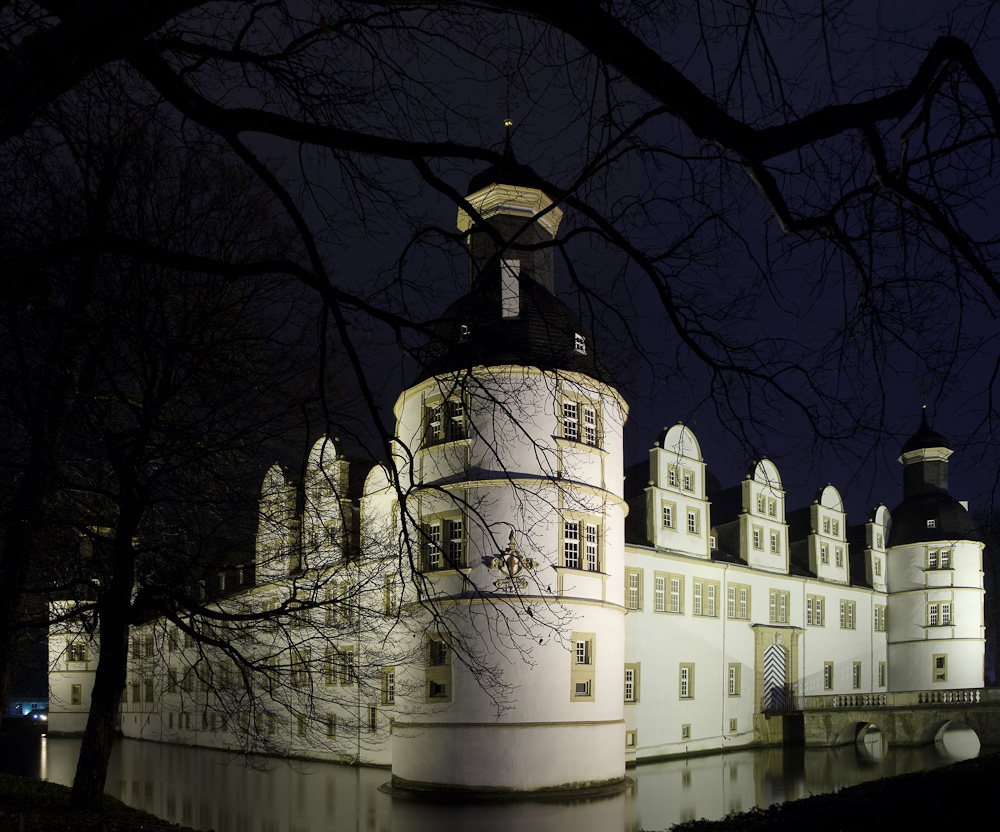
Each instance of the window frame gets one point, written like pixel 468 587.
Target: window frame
pixel 685 681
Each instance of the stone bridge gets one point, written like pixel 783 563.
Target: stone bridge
pixel 908 718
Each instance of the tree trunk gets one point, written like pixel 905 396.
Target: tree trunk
pixel 109 682
pixel 114 612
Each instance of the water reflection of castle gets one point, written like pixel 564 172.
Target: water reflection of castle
pixel 553 616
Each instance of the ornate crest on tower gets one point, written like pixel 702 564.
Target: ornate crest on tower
pixel 513 565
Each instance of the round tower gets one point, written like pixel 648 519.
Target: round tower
pixel 512 442
pixel 934 576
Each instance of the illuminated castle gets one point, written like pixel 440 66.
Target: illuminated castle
pixel 514 611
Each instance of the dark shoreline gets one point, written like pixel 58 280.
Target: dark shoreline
pixel 933 798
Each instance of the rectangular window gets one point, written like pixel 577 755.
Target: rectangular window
pixel 939 614
pixel 711 592
pixel 686 733
pixel 687 482
pixel 438 672
pixel 744 602
pixel 570 421
pixel 732 726
pixel 932 560
pixel 388 685
pixel 760 504
pixel 772 508
pixel 734 679
pixel 879 618
pixel 630 739
pixel 675 594
pixel 590 426
pixel 827 675
pixel 77 652
pixel 579 343
pixel 774 543
pixel 756 538
pixel 881 674
pixel 149 690
pixel 946 559
pixel 698 591
pixel 687 681
pixel 856 675
pixel 150 649
pixel 940 667
pixel 778 602
pixel 824 553
pixel 814 611
pixel 445 421
pixel 668 516
pixel 591 542
pixel 510 302
pixel 456 542
pixel 372 718
pixel 571 544
pixel 672 476
pixel 631 683
pixel 331 726
pixel 826 525
pixel 76 695
pixel 659 593
pixel 347 666
pixel 582 663
pixel 390 603
pixel 432 546
pixel 634 589
pixel 847 615
pixel 692 521
pixel 836 528
pixel 878 566
pixel 840 556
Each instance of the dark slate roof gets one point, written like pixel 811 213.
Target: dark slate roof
pixel 542 335
pixel 951 520
pixel 727 503
pixel 856 539
pixel 508 172
pixel 925 438
pixel 798 524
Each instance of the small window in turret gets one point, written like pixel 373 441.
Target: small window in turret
pixel 510 299
pixel 580 344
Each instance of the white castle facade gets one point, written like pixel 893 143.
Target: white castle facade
pixel 515 611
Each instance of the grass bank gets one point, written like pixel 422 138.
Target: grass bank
pixel 37 806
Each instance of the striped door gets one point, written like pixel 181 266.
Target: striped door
pixel 774 677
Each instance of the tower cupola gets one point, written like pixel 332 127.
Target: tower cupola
pixel 511 315
pixel 928 513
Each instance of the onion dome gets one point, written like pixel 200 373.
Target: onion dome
pixel 925 438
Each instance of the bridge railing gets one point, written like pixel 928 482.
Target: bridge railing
pixel 903 699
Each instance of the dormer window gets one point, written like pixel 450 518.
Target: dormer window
pixel 463 335
pixel 932 524
pixel 580 344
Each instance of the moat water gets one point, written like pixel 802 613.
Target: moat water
pixel 214 790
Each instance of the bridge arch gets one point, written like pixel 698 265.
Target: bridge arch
pixel 937 730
